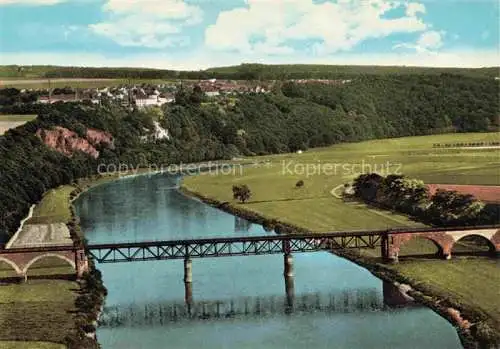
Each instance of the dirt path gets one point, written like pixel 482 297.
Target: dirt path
pixel 6 125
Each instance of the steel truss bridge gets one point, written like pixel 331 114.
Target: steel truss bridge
pixel 232 246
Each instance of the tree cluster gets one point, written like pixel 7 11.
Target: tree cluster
pixel 411 196
pixel 13 96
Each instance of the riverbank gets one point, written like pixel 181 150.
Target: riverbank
pixel 76 310
pixel 472 325
pixel 52 292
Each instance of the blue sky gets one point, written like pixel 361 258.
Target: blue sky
pixel 195 34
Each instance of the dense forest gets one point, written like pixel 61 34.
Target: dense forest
pixel 239 72
pixel 294 116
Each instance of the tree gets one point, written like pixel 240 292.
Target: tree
pixel 181 97
pixel 452 208
pixel 196 96
pixel 241 192
pixel 367 185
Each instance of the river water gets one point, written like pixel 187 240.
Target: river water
pixel 239 302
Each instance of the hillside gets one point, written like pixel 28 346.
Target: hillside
pixel 316 71
pixel 240 72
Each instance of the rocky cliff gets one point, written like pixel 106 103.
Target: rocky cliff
pixel 67 142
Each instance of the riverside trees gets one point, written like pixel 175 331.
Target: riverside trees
pixel 411 196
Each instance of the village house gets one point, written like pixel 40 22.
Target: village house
pixel 156 99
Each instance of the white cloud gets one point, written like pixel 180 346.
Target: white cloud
pixel 147 23
pixel 169 9
pixel 31 2
pixel 428 41
pixel 413 8
pixel 333 26
pixel 206 59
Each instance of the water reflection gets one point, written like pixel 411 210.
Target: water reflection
pixel 241 225
pixel 159 313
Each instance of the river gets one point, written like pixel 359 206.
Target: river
pixel 239 302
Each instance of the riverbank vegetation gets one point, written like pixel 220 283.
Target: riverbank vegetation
pixel 412 197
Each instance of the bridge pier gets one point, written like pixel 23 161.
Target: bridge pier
pixel 288 265
pixel 446 255
pixel 188 281
pixel 289 280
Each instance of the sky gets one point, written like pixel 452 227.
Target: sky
pixel 197 34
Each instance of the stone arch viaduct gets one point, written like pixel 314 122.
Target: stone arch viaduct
pixel 443 238
pixel 21 259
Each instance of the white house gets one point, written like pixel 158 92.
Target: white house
pixel 149 101
pixel 152 101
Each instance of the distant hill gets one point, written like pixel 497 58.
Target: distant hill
pixel 316 71
pixel 239 72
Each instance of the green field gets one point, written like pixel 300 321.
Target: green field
pixel 36 314
pixel 314 207
pixel 30 345
pixel 75 83
pixel 13 117
pixel 472 282
pixel 37 311
pixel 54 207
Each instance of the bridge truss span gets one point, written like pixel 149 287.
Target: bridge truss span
pixel 225 247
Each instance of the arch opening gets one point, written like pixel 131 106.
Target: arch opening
pixel 8 268
pixel 49 264
pixel 473 244
pixel 420 246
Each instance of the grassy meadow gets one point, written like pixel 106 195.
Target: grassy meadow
pixel 36 314
pixel 472 281
pixel 36 84
pixel 30 345
pixel 315 207
pixel 54 207
pixel 36 311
